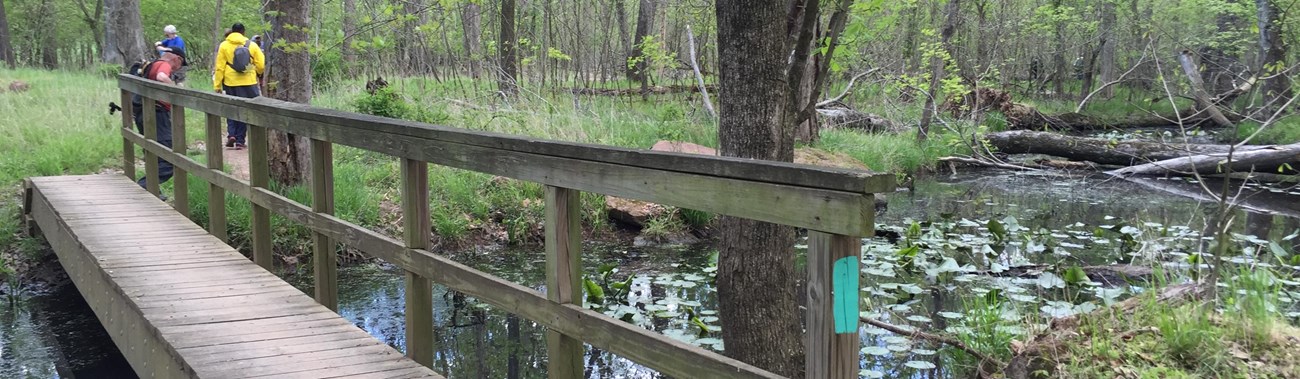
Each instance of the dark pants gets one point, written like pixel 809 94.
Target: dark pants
pixel 164 118
pixel 239 129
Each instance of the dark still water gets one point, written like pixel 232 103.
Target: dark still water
pixel 1050 223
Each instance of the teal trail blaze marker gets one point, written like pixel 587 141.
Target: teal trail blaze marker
pixel 844 281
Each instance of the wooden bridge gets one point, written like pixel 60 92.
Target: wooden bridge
pixel 179 302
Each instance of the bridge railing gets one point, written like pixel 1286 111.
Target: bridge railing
pixel 835 205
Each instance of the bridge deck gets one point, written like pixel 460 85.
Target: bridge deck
pixel 181 303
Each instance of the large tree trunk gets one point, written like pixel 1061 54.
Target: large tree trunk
pixel 1058 57
pixel 290 81
pixel 6 44
pixel 756 280
pixel 937 64
pixel 1265 159
pixel 620 13
pixel 1272 55
pixel 1217 64
pixel 1098 150
pixel 124 37
pixel 507 82
pixel 217 36
pixel 1198 90
pixel 1108 41
pixel 473 38
pixel 645 23
pixel 49 44
pixel 348 52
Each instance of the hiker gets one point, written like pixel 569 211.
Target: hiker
pixel 239 62
pixel 171 42
pixel 160 70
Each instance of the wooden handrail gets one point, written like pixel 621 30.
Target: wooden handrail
pixel 837 204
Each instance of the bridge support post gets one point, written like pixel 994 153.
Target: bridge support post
pixel 180 181
pixel 563 275
pixel 216 194
pixel 259 176
pixel 128 149
pixel 322 200
pixel 833 305
pixel 150 118
pixel 419 290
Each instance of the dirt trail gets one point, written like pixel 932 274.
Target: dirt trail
pixel 238 162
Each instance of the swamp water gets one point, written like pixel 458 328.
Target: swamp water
pixel 991 256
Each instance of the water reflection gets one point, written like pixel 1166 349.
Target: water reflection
pixel 54 334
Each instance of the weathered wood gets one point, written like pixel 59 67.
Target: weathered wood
pixel 563 276
pixel 216 194
pixel 259 177
pixel 830 353
pixel 180 181
pixel 128 149
pixel 150 119
pixel 1263 159
pixel 324 259
pixel 1097 150
pixel 1198 89
pixel 646 347
pixel 419 290
pixel 725 167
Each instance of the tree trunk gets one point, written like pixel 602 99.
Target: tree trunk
pixel 49 44
pixel 507 83
pixel 6 44
pixel 1217 64
pixel 756 280
pixel 1098 150
pixel 473 38
pixel 1265 159
pixel 1108 41
pixel 620 13
pixel 290 81
pixel 1058 57
pixel 1272 56
pixel 124 37
pixel 1198 90
pixel 217 36
pixel 645 23
pixel 93 19
pixel 937 67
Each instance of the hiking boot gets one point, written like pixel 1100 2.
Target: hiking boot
pixel 239 146
pixel 230 142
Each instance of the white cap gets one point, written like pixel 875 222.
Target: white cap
pixel 170 29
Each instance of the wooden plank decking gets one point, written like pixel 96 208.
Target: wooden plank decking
pixel 179 303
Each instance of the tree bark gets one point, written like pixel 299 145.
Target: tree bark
pixel 756 280
pixel 217 36
pixel 1265 159
pixel 1198 90
pixel 937 64
pixel 507 83
pixel 1058 57
pixel 346 51
pixel 473 38
pixel 1108 41
pixel 93 20
pixel 49 44
pixel 124 37
pixel 1098 150
pixel 645 23
pixel 1272 55
pixel 6 42
pixel 1216 63
pixel 290 81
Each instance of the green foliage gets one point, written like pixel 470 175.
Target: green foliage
pixel 384 102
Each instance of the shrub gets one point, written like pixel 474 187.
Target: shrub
pixel 384 102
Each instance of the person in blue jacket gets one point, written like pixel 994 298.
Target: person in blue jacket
pixel 172 42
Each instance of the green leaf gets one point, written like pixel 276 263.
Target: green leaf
pixel 999 231
pixel 595 294
pixel 1075 276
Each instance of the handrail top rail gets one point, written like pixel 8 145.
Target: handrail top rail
pixel 784 173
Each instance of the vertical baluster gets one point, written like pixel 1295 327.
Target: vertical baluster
pixel 419 290
pixel 259 177
pixel 180 184
pixel 128 149
pixel 216 194
pixel 833 305
pixel 322 200
pixel 563 275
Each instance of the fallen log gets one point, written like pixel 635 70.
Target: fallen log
pixel 836 115
pixel 656 90
pixel 1262 159
pixel 1098 150
pixel 1026 117
pixel 1198 89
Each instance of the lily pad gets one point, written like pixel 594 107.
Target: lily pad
pixel 875 350
pixel 920 365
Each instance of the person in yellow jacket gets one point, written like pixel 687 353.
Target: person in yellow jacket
pixel 238 65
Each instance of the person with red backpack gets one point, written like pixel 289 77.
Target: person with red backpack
pixel 238 65
pixel 160 70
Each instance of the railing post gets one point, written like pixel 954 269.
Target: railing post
pixel 259 177
pixel 322 201
pixel 128 149
pixel 833 303
pixel 563 275
pixel 419 290
pixel 180 182
pixel 216 194
pixel 149 114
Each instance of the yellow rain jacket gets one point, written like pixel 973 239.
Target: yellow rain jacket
pixel 223 74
